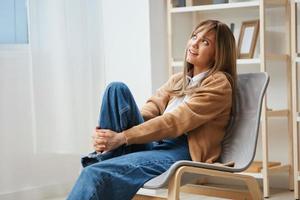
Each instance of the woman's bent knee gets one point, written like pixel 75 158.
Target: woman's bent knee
pixel 117 86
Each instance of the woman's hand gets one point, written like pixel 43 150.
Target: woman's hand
pixel 106 140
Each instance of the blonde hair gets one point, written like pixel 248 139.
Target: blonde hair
pixel 225 57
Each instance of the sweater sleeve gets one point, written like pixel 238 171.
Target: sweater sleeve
pixel 157 104
pixel 210 99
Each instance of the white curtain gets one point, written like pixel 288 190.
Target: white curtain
pixel 67 73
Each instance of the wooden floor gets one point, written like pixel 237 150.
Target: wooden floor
pixel 276 195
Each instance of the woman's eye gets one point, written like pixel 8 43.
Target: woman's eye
pixel 205 42
pixel 194 37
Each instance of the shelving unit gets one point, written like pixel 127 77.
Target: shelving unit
pixel 295 60
pixel 187 17
pixel 246 61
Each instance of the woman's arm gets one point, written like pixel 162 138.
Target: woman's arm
pixel 106 140
pixel 212 98
pixel 157 104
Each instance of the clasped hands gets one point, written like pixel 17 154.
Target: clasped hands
pixel 106 140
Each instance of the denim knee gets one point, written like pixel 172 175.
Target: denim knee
pixel 89 174
pixel 86 186
pixel 117 86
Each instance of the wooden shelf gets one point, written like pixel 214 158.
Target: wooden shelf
pixel 256 166
pixel 276 2
pixel 271 57
pixel 277 57
pixel 239 62
pixel 250 61
pixel 278 113
pixel 227 6
pixel 212 7
pixel 275 167
pixel 255 175
pixel 280 168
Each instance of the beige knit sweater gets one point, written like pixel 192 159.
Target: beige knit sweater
pixel 204 117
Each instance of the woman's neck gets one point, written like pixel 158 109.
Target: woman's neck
pixel 198 70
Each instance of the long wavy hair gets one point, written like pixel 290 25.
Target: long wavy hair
pixel 225 57
pixel 224 61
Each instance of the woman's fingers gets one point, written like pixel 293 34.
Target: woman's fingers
pixel 105 139
pixel 104 133
pixel 99 148
pixel 99 140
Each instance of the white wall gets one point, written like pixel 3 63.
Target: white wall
pixel 158 43
pixel 22 171
pixel 127 45
pixel 135 45
pixel 131 29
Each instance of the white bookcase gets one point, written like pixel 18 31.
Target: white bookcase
pixel 295 61
pixel 181 21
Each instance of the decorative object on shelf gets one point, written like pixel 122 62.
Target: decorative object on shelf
pixel 248 38
pixel 204 2
pixel 232 27
pixel 178 3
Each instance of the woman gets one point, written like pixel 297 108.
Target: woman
pixel 185 120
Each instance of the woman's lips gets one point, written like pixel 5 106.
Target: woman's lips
pixel 192 52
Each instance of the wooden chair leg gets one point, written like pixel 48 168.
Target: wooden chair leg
pixel 174 186
pixel 253 188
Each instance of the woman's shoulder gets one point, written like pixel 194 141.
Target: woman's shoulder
pixel 217 78
pixel 218 75
pixel 175 77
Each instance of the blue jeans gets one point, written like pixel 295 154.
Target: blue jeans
pixel 120 173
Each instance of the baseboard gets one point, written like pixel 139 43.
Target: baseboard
pixel 38 193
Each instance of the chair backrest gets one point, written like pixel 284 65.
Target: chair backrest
pixel 239 144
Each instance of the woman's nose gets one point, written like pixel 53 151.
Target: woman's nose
pixel 195 43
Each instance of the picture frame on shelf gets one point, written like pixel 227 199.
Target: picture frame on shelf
pixel 248 39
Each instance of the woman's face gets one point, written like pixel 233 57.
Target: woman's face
pixel 201 50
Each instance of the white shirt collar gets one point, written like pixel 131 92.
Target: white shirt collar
pixel 197 78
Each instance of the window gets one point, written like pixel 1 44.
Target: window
pixel 13 22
